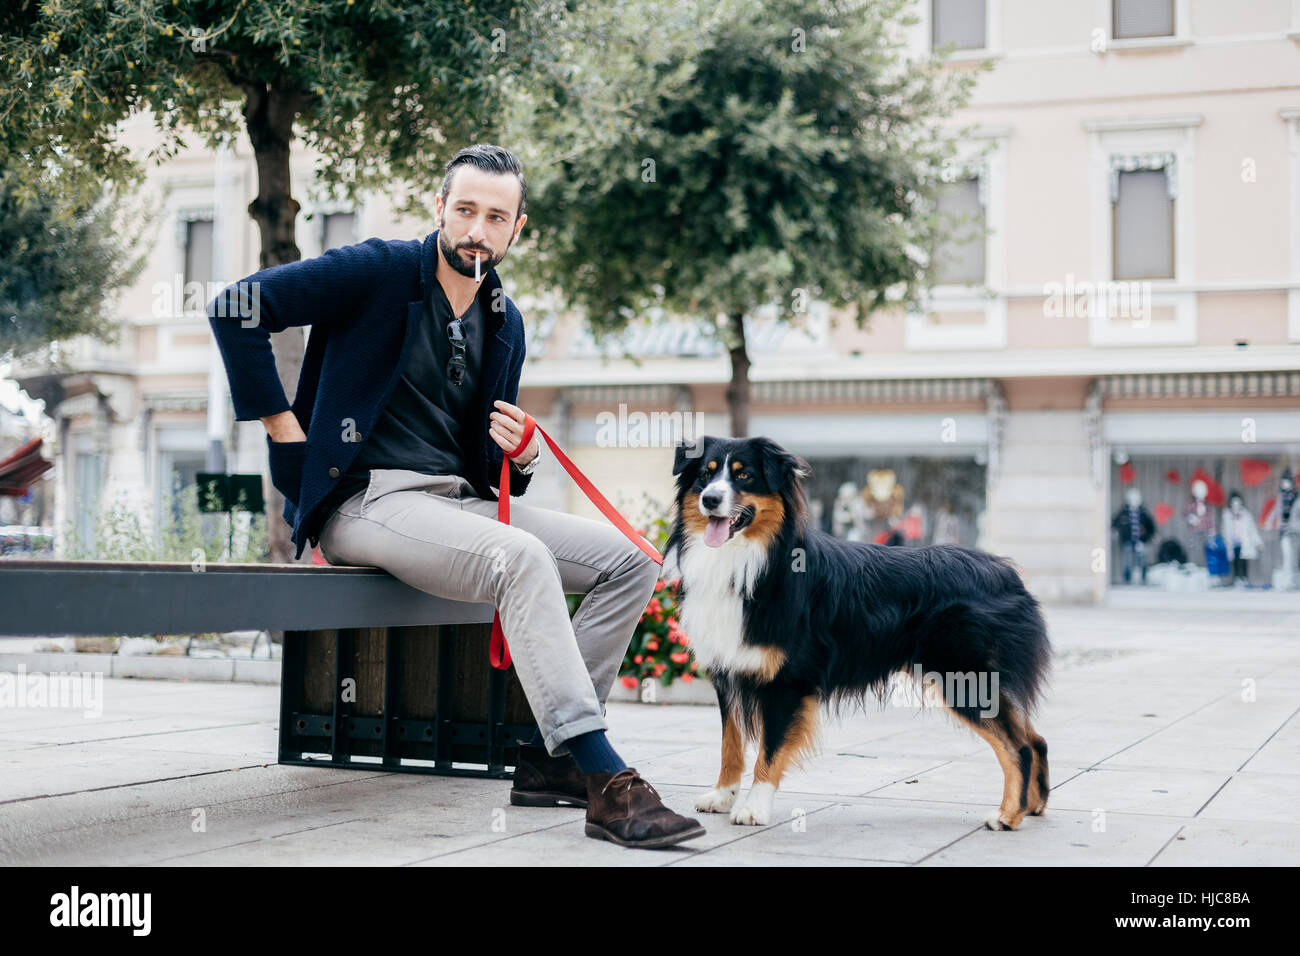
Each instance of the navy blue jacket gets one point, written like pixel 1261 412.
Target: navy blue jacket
pixel 364 303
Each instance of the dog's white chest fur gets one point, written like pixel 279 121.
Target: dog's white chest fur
pixel 712 612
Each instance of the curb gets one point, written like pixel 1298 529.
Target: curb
pixel 242 670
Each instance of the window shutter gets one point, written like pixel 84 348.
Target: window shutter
pixel 960 259
pixel 1144 221
pixel 340 230
pixel 1143 18
pixel 198 252
pixel 960 22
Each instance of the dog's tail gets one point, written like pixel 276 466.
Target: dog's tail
pixel 1000 637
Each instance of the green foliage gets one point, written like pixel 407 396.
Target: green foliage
pixel 121 533
pixel 59 258
pixel 386 91
pixel 792 145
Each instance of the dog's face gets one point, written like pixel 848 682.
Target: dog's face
pixel 737 488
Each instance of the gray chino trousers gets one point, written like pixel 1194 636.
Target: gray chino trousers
pixel 434 533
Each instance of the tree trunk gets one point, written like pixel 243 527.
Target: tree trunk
pixel 738 390
pixel 269 112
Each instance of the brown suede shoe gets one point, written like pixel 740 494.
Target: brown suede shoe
pixel 545 781
pixel 624 809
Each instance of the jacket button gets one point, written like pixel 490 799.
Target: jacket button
pixel 334 472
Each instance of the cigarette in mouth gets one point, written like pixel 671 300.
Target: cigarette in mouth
pixel 478 260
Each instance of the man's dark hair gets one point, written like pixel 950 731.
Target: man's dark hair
pixel 490 159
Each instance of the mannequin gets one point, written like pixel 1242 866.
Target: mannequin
pixel 1200 518
pixel 883 495
pixel 1241 537
pixel 848 514
pixel 1285 520
pixel 1135 527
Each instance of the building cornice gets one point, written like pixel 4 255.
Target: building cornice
pixel 1108 124
pixel 1019 363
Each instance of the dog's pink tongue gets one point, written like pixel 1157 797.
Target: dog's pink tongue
pixel 716 534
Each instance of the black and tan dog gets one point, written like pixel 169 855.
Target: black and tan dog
pixel 788 619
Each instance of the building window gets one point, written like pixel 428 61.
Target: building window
pixel 1143 223
pixel 87 476
pixel 960 259
pixel 198 252
pixel 338 229
pixel 178 474
pixel 959 23
pixel 1135 19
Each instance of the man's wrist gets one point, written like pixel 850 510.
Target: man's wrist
pixel 532 462
pixel 284 427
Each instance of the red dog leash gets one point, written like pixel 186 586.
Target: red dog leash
pixel 498 650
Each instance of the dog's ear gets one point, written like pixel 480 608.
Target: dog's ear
pixel 688 453
pixel 780 467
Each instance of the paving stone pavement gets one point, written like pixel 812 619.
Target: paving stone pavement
pixel 1173 734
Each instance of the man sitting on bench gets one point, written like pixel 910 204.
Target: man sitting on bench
pixel 413 364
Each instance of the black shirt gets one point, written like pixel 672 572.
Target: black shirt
pixel 422 426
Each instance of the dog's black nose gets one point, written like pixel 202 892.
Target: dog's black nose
pixel 711 500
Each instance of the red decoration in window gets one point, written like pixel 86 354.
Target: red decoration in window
pixel 1254 471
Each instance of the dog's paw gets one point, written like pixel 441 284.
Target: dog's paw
pixel 717 801
pixel 996 821
pixel 749 816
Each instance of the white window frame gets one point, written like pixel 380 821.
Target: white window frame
pixel 920 33
pixel 1105 13
pixel 985 154
pixel 1127 136
pixel 1291 116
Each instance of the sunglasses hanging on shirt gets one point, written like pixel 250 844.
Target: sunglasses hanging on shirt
pixel 456 364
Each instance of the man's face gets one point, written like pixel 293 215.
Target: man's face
pixel 479 215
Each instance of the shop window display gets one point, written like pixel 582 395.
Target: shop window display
pixel 908 502
pixel 1216 520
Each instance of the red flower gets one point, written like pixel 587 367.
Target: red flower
pixel 679 658
pixel 652 645
pixel 688 677
pixel 638 659
pixel 660 668
pixel 629 681
pixel 684 641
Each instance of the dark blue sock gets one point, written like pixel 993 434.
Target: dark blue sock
pixel 594 754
